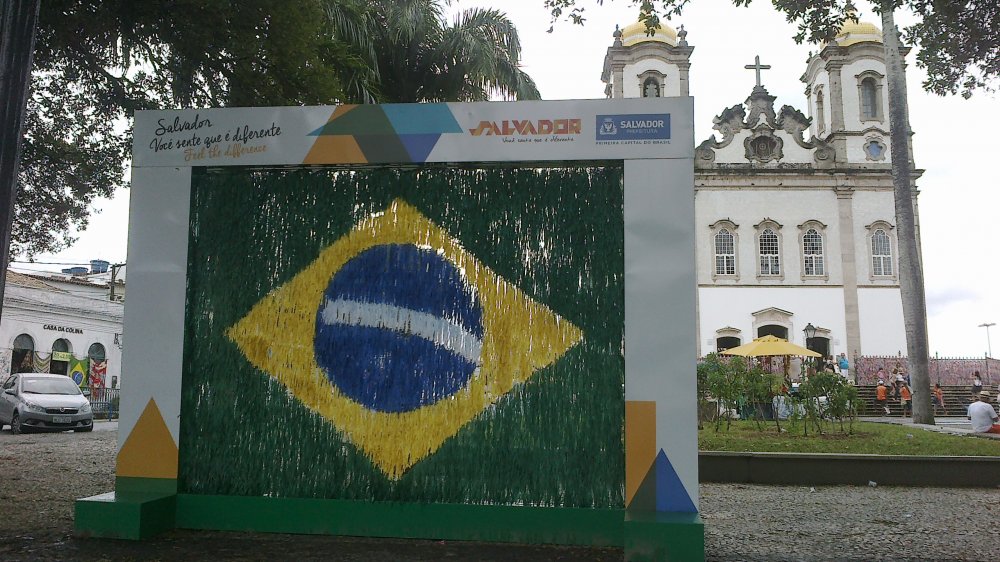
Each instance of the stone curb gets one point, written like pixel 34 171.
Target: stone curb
pixel 827 469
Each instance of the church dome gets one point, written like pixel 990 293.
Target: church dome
pixel 636 33
pixel 853 32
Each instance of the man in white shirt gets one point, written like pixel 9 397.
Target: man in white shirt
pixel 982 415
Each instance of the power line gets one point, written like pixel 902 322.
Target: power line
pixel 51 262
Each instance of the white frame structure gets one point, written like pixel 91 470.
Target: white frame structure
pixel 660 285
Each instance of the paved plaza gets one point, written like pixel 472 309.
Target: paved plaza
pixel 45 472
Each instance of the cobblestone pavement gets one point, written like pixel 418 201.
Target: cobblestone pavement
pixel 41 475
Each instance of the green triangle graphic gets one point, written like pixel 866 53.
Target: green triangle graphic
pixel 362 120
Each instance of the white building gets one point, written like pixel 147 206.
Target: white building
pixel 794 215
pixel 46 328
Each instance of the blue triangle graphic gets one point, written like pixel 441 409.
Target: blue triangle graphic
pixel 670 493
pixel 419 146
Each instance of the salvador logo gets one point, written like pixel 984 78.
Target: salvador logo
pixel 607 127
pixel 399 337
pixel 527 127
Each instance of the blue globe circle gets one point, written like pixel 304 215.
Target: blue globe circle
pixel 398 328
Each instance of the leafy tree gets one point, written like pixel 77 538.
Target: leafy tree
pixel 958 40
pixel 420 57
pixel 97 61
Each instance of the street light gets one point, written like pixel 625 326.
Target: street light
pixel 810 333
pixel 989 350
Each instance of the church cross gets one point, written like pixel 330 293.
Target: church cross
pixel 758 67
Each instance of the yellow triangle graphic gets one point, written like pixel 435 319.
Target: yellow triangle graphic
pixel 149 451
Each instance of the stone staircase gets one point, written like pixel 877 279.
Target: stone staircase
pixel 956 400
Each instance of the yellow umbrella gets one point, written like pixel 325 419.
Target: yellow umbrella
pixel 768 346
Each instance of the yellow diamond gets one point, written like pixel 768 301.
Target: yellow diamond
pixel 520 336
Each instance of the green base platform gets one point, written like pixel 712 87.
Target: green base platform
pixel 644 536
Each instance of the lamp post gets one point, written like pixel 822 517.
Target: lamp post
pixel 810 332
pixel 989 350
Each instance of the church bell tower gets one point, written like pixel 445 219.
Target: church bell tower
pixel 642 65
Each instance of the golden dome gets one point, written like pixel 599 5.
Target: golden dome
pixel 636 33
pixel 858 32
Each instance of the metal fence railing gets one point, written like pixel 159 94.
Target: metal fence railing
pixel 104 402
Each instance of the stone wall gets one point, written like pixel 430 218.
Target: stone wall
pixel 943 370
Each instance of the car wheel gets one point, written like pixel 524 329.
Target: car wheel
pixel 15 424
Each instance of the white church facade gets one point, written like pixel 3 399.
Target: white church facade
pixel 795 215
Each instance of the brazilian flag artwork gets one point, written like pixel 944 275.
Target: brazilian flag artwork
pixel 449 335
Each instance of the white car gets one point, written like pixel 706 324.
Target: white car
pixel 37 401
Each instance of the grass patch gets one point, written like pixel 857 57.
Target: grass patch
pixel 868 438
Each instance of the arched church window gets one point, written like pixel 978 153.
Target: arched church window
pixel 812 250
pixel 768 251
pixel 881 253
pixel 870 95
pixel 96 352
pixel 60 345
pixel 869 110
pixel 24 341
pixel 651 88
pixel 820 111
pixel 20 357
pixel 725 260
pixel 725 253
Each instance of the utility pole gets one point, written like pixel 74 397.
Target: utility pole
pixel 989 349
pixel 17 43
pixel 114 275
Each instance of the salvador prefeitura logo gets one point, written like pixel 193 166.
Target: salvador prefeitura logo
pixel 638 128
pixel 399 337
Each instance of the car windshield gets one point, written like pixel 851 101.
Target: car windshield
pixel 39 385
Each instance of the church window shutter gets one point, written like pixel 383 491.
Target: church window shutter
pixel 868 106
pixel 725 253
pixel 881 253
pixel 812 249
pixel 768 251
pixel 870 96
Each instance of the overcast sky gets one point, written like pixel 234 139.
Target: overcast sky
pixel 958 201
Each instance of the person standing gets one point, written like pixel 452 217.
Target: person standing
pixel 845 366
pixel 977 385
pixel 982 415
pixel 904 398
pixel 880 375
pixel 937 399
pixel 881 395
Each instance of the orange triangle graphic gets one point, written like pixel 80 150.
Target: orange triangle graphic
pixel 149 451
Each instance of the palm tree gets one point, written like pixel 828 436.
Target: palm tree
pixel 420 57
pixel 911 276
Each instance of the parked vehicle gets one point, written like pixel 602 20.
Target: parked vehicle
pixel 36 401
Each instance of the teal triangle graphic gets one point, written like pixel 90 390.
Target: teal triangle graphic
pixel 670 492
pixel 421 118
